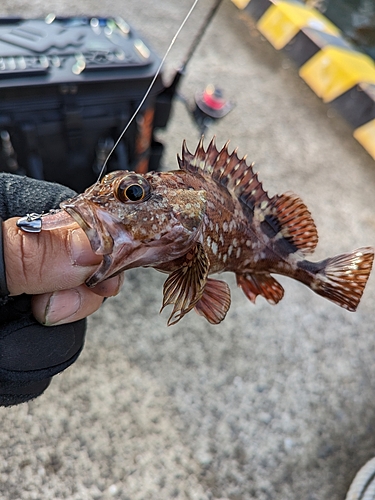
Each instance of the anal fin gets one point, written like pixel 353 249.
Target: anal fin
pixel 260 284
pixel 215 301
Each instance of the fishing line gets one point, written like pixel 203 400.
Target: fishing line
pixel 148 90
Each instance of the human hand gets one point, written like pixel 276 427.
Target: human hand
pixel 53 266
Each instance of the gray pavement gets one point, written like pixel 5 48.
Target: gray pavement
pixel 277 402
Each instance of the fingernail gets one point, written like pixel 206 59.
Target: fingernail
pixel 61 306
pixel 110 287
pixel 80 250
pixel 121 278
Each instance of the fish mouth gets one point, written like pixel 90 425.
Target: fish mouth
pixel 77 217
pixel 100 245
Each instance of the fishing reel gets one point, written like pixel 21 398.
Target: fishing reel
pixel 210 106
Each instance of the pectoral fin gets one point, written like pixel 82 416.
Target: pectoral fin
pixel 215 301
pixel 184 287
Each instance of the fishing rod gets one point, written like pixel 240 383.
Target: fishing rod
pixel 210 104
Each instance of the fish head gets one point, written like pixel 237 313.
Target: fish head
pixel 138 219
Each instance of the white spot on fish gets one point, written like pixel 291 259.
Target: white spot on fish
pixel 214 247
pixel 230 250
pixel 232 225
pixel 238 253
pixel 258 215
pixel 235 242
pixel 225 227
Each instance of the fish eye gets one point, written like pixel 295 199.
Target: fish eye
pixel 132 190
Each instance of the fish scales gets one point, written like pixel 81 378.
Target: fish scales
pixel 210 216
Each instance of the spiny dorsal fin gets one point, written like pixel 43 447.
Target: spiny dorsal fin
pixel 291 216
pixel 285 217
pixel 227 169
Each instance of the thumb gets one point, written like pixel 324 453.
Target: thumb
pixel 43 262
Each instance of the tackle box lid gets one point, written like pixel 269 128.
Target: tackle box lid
pixel 73 51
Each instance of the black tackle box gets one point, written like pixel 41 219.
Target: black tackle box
pixel 68 87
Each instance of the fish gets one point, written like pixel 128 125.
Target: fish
pixel 210 216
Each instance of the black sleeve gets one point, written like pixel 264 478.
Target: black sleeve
pixel 30 353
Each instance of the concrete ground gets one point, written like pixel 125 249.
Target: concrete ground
pixel 277 402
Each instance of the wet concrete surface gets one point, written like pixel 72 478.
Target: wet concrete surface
pixel 277 402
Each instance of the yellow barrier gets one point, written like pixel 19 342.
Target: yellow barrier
pixel 283 20
pixel 365 135
pixel 333 71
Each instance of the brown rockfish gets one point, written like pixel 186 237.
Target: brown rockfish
pixel 212 215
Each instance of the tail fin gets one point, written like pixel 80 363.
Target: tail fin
pixel 342 279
